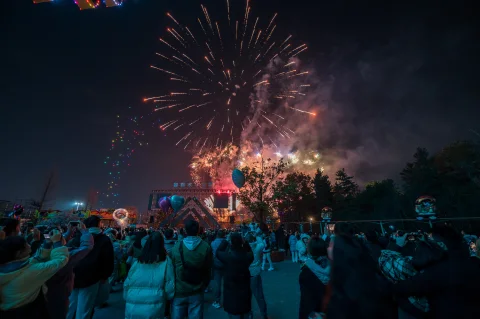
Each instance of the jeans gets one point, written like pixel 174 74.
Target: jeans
pixel 257 290
pixel 266 256
pixel 217 282
pixel 82 301
pixel 190 307
pixel 295 256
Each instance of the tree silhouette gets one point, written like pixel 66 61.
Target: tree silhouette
pixel 294 197
pixel 257 193
pixel 323 190
pixel 345 187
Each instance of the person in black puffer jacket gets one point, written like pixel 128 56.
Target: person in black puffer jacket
pixel 90 272
pixel 314 278
pixel 237 295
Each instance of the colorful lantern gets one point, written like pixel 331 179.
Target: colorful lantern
pixel 425 207
pixel 326 213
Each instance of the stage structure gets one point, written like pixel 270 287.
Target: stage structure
pixel 210 206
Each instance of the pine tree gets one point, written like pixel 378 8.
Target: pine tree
pixel 323 190
pixel 345 187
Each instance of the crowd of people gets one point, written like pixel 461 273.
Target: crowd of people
pixel 68 271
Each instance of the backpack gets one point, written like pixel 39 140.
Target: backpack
pixel 191 274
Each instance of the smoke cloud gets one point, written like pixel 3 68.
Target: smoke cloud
pixel 374 106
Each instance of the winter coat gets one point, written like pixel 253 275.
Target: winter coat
pixel 217 264
pixel 97 265
pixel 22 280
pixel 313 280
pixel 61 284
pixel 237 296
pixel 451 286
pixel 147 288
pixel 198 254
pixel 302 248
pixel 257 249
pixel 292 241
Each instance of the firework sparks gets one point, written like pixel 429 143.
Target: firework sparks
pixel 302 111
pixel 196 84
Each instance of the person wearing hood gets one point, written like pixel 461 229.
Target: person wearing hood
pixel 217 269
pixel 192 259
pixel 302 247
pixel 314 278
pixel 169 240
pixel 91 272
pixel 256 245
pixel 22 277
pixel 237 295
pixel 60 285
pixel 292 241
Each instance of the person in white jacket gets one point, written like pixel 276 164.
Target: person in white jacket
pixel 302 247
pixel 22 277
pixel 150 282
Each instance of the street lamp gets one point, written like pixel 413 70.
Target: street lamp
pixel 78 204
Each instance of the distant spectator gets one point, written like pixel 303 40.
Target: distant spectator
pixel 169 240
pixel 217 269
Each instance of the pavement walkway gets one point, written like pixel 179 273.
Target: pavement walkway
pixel 280 287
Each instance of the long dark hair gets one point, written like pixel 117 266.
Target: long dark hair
pixel 10 226
pixel 356 287
pixel 154 250
pixel 137 243
pixel 9 247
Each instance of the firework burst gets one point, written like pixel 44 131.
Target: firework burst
pixel 228 74
pixel 217 163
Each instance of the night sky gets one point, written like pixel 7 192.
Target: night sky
pixel 398 76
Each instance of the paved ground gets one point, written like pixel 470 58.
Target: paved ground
pixel 280 287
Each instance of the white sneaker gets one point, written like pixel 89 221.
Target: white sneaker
pixel 271 269
pixel 216 305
